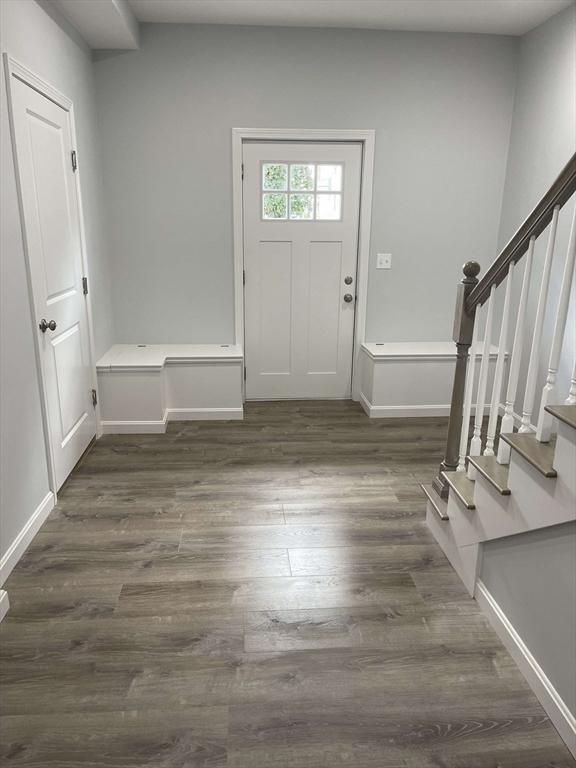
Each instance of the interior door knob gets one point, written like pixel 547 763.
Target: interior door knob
pixel 44 325
pixel 348 298
pixel 348 280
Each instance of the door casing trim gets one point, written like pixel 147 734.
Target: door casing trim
pixel 367 139
pixel 15 69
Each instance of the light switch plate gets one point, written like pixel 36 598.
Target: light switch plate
pixel 383 261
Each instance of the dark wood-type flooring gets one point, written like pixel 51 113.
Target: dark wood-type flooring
pixel 257 594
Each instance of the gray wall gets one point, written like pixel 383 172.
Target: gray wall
pixel 533 578
pixel 543 132
pixel 30 35
pixel 542 139
pixel 441 105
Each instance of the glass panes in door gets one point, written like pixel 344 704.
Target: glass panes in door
pixel 301 191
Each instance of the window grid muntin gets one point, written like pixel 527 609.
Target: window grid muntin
pixel 288 191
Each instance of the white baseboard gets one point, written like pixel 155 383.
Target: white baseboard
pixel 4 603
pixel 22 541
pixel 401 411
pixel 406 411
pixel 171 414
pixel 556 709
pixel 204 414
pixel 365 403
pixel 133 427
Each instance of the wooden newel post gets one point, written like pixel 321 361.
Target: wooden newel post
pixel 463 329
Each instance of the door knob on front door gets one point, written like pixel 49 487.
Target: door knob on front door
pixel 44 325
pixel 348 298
pixel 348 280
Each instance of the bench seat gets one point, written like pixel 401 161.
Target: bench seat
pixel 399 379
pixel 143 386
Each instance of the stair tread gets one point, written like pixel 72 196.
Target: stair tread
pixel 439 504
pixel 495 473
pixel 540 455
pixel 462 487
pixel 564 413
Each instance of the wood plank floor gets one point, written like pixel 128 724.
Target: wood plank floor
pixel 257 594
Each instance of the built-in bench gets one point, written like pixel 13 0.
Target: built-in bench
pixel 143 386
pixel 410 378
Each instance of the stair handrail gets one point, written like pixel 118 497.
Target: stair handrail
pixel 473 293
pixel 535 223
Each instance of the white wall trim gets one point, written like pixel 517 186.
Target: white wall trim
pixel 401 411
pixel 4 603
pixel 16 69
pixel 559 714
pixel 134 427
pixel 419 351
pixel 406 411
pixel 204 414
pixel 367 139
pixel 171 414
pixel 86 271
pixel 22 541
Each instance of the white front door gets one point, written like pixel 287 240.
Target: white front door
pixel 301 210
pixel 43 139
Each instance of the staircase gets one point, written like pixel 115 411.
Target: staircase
pixel 535 490
pixel 505 473
pixel 511 481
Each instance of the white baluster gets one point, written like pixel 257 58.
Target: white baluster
pixel 571 399
pixel 549 395
pixel 530 389
pixel 507 424
pixel 499 372
pixel 476 443
pixel 468 396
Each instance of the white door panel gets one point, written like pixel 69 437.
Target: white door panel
pixel 274 292
pixel 43 139
pixel 298 326
pixel 324 297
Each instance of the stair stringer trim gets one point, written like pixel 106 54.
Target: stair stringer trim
pixel 561 717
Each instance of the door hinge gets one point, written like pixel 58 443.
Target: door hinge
pixel 85 286
pixel 243 277
pixel 242 171
pixel 94 398
pixel 74 160
pixel 244 373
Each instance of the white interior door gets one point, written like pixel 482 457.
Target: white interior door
pixel 43 139
pixel 301 210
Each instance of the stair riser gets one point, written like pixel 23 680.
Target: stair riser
pixel 500 516
pixel 543 501
pixel 538 502
pixel 565 457
pixel 495 516
pixel 464 560
pixel 463 521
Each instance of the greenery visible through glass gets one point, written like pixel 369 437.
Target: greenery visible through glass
pixel 302 191
pixel 274 176
pixel 302 177
pixel 274 205
pixel 301 206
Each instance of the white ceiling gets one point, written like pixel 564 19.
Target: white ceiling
pixel 114 23
pixel 504 17
pixel 102 23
